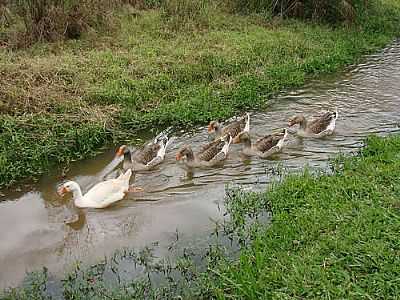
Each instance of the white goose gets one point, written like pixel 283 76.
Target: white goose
pixel 102 194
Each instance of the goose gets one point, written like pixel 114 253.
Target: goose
pixel 319 127
pixel 265 146
pixel 209 155
pixel 102 194
pixel 233 129
pixel 149 157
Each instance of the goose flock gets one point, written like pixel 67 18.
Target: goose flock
pixel 209 155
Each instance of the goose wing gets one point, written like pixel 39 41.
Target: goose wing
pixel 267 142
pixel 211 151
pixel 208 146
pixel 147 154
pixel 320 124
pixel 235 128
pixel 105 193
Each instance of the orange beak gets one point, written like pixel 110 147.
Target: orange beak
pixel 61 191
pixel 120 151
pixel 178 156
pixel 210 128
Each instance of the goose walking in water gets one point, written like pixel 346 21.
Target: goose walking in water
pixel 319 127
pixel 147 158
pixel 209 155
pixel 265 146
pixel 102 194
pixel 233 129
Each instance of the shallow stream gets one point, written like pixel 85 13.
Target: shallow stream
pixel 41 229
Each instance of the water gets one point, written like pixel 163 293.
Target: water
pixel 39 228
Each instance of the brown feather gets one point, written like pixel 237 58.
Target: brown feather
pixel 209 145
pixel 267 142
pixel 234 128
pixel 320 124
pixel 209 153
pixel 146 154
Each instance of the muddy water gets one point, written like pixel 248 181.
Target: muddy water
pixel 38 228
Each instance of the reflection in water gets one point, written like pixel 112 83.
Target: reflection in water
pixel 39 228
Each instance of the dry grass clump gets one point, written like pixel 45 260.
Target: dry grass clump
pixel 37 85
pixel 54 20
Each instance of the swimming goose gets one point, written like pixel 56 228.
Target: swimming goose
pixel 265 146
pixel 208 156
pixel 150 156
pixel 320 127
pixel 102 194
pixel 233 129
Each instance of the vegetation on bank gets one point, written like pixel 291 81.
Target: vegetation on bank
pixel 331 237
pixel 175 64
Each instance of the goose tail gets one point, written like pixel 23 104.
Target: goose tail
pixel 247 126
pixel 335 114
pixel 228 141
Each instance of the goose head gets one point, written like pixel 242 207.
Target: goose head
pixel 122 150
pixel 298 119
pixel 214 126
pixel 67 187
pixel 185 152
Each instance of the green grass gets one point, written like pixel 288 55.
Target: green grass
pixel 331 237
pixel 145 75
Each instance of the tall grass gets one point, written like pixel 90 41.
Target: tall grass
pixel 186 13
pixel 331 11
pixel 52 20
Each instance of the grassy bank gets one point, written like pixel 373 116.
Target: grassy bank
pixel 331 237
pixel 144 74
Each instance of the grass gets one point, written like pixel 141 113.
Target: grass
pixel 146 75
pixel 331 237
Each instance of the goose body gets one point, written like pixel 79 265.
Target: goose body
pixel 265 146
pixel 101 195
pixel 149 157
pixel 209 155
pixel 319 127
pixel 233 129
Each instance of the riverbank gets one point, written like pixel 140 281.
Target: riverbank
pixel 64 101
pixel 330 236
